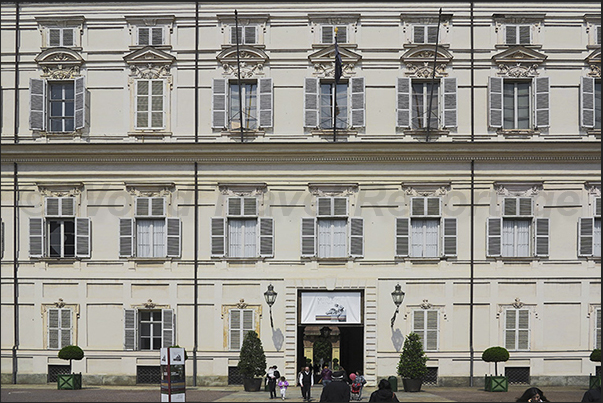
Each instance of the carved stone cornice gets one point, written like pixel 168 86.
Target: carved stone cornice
pixel 65 189
pixel 526 189
pixel 419 61
pixel 150 189
pixel 149 63
pixel 251 61
pixel 594 63
pixel 516 304
pixel 426 188
pixel 593 187
pixel 323 61
pixel 242 189
pixel 59 63
pixel 519 61
pixel 425 304
pixel 333 189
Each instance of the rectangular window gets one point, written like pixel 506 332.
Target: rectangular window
pixel 598 328
pixel 329 108
pixel 62 106
pixel 516 238
pixel 425 237
pixel 57 106
pixel 240 321
pixel 61 37
pixel 425 97
pixel 425 34
pixel 517 329
pixel 332 236
pixel 518 34
pixel 150 36
pixel 328 34
pixel 256 102
pixel 597 237
pixel 247 35
pixel 150 100
pixel 415 100
pixel 59 328
pixel 150 238
pixel 249 95
pixel 426 325
pixel 61 238
pixel 242 237
pixel 150 327
pixel 516 105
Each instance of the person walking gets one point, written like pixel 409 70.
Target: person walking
pixel 283 385
pixel 273 377
pixel 384 393
pixel 326 375
pixel 592 395
pixel 337 390
pixel 306 381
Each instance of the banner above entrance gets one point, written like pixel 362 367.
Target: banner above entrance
pixel 331 307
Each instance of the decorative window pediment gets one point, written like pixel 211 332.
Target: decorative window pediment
pixel 526 189
pixel 419 61
pixel 594 63
pixel 60 63
pixel 324 61
pixel 426 188
pixel 333 189
pixel 519 61
pixel 149 63
pixel 242 189
pixel 252 61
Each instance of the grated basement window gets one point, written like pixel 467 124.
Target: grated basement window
pixel 432 376
pixel 148 374
pixel 54 370
pixel 234 376
pixel 518 375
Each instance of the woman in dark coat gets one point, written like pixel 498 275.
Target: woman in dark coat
pixel 384 393
pixel 532 395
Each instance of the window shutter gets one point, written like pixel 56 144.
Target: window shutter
pixel 357 94
pixel 494 231
pixel 402 236
pixel 53 207
pixel 82 237
pixel 495 87
pixel 419 34
pixel 157 36
pixel 340 206
pixel 433 206
pixel 308 237
pixel 450 235
pixel 431 339
pixel 542 94
pixel 219 103
pixel 342 34
pixel 157 206
pixel 250 206
pixel 432 34
pixel 417 206
pixel 174 236
pixel 67 206
pixel 218 236
pixel 248 321
pixel 167 327
pixel 266 102
pixel 53 328
pixel 54 37
pixel 511 34
pixel 157 104
pixel 266 237
pixel 311 102
pixel 587 102
pixel 234 206
pixel 143 36
pixel 325 206
pixel 418 323
pixel 510 329
pixel 233 34
pixel 36 237
pixel 523 329
pixel 68 37
pixel 449 102
pixel 130 329
pixel 235 329
pixel 597 207
pixel 356 236
pixel 327 34
pixel 126 237
pixel 510 206
pixel 80 102
pixel 65 327
pixel 403 102
pixel 585 236
pixel 250 35
pixel 143 206
pixel 542 236
pixel 524 35
pixel 37 104
pixel 525 206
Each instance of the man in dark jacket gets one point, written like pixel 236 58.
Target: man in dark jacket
pixel 337 390
pixel 384 393
pixel 306 381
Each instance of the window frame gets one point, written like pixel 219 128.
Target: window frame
pixel 150 112
pixel 151 35
pixel 516 329
pixel 425 28
pixel 342 33
pixel 242 330
pixel 152 324
pixel 518 34
pixel 60 328
pixel 62 31
pixel 422 332
pixel 244 34
pixel 132 327
pixel 445 99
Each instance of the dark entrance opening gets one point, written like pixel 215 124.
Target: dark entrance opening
pixel 352 348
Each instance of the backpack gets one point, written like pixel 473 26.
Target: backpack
pixel 277 375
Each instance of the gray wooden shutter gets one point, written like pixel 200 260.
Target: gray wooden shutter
pixel 126 237
pixel 52 207
pixel 142 206
pixel 449 102
pixel 250 35
pixel 597 209
pixel 358 101
pixel 431 330
pixel 143 36
pixel 157 36
pixel 80 102
pixel 417 206
pixel 432 34
pixel 82 237
pixel 234 206
pixel 433 206
pixel 327 34
pixel 324 206
pixel 587 102
pixel 174 236
pixel 403 102
pixel 342 34
pixel 250 206
pixel 167 327
pixel 130 329
pixel 53 328
pixel 525 206
pixel 37 104
pixel 494 232
pixel 356 236
pixel 67 206
pixel 510 206
pixel 495 88
pixel 511 34
pixel 524 35
pixel 542 236
pixel 66 327
pixel 68 37
pixel 340 206
pixel 234 329
pixel 418 324
pixel 233 35
pixel 266 237
pixel 311 102
pixel 419 34
pixel 510 328
pixel 219 103
pixel 218 236
pixel 586 227
pixel 523 329
pixel 36 237
pixel 308 237
pixel 449 236
pixel 402 236
pixel 157 206
pixel 266 102
pixel 54 37
pixel 542 101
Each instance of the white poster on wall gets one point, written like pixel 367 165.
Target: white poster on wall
pixel 331 307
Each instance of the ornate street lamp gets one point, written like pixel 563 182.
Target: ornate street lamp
pixel 398 297
pixel 270 297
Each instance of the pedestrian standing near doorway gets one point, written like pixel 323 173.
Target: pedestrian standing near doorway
pixel 306 381
pixel 273 377
pixel 326 375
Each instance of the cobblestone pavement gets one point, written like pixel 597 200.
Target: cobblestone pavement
pixel 49 393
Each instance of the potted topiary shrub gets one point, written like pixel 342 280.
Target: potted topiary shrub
pixel 496 383
pixel 595 380
pixel 252 362
pixel 412 366
pixel 70 381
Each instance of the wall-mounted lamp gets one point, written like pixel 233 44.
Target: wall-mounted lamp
pixel 398 297
pixel 270 297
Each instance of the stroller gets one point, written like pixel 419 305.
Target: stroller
pixel 356 387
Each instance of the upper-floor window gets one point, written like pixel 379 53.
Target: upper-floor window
pixel 426 324
pixel 590 102
pixel 330 32
pixel 517 329
pixel 518 233
pixel 419 103
pixel 519 104
pixel 247 35
pixel 57 106
pixel 150 104
pixel 518 34
pixel 59 234
pixel 327 103
pixel 60 31
pixel 424 34
pixel 426 233
pixel 149 329
pixel 589 232
pixel 63 37
pixel 332 233
pixel 242 234
pixel 249 104
pixel 150 36
pixel 151 233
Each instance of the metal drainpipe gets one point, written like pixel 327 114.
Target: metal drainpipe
pixel 196 267
pixel 196 263
pixel 471 285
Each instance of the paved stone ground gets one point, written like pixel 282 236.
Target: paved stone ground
pixel 49 393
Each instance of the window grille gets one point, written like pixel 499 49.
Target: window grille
pixel 234 376
pixel 431 378
pixel 148 374
pixel 518 375
pixel 55 370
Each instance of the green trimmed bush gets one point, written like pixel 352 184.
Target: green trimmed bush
pixel 71 353
pixel 495 354
pixel 413 361
pixel 252 359
pixel 595 356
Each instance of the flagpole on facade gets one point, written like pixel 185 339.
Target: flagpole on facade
pixel 435 59
pixel 239 76
pixel 335 92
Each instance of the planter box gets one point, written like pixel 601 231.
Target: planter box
pixel 594 381
pixel 252 384
pixel 69 381
pixel 412 385
pixel 496 383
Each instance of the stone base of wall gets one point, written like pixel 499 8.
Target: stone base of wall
pixel 209 380
pixel 117 380
pixel 573 380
